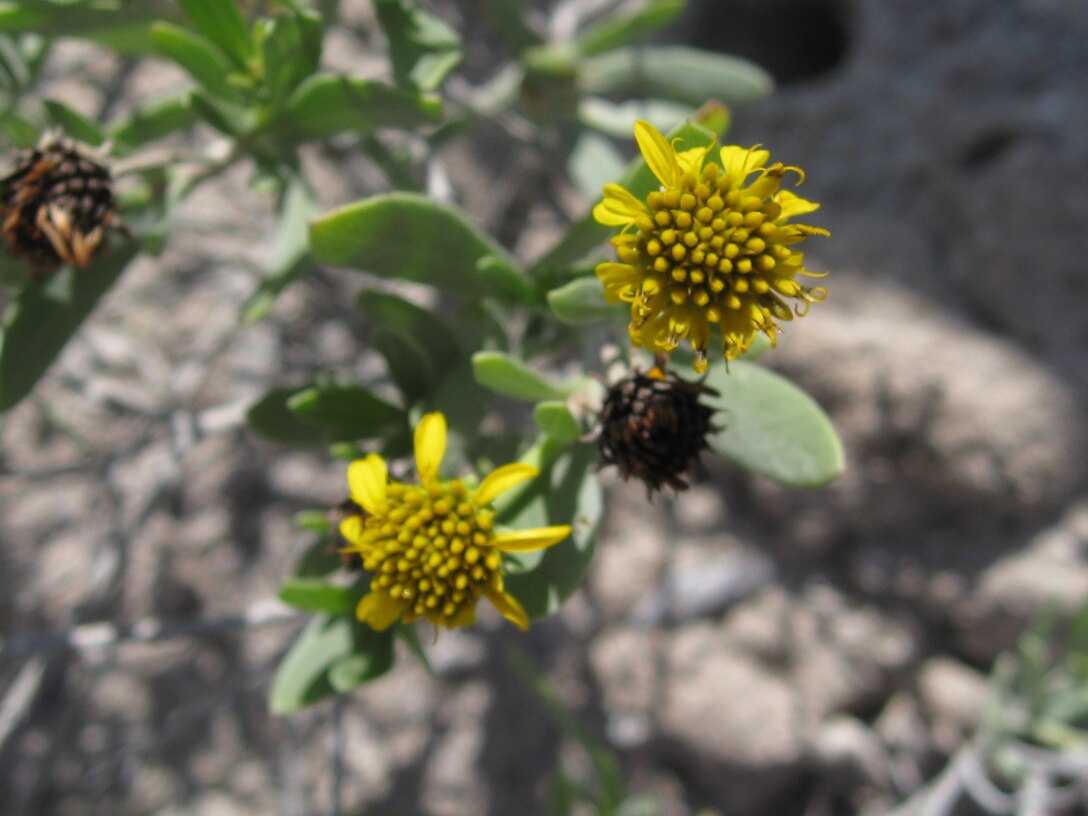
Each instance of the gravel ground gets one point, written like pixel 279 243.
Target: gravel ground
pixel 740 647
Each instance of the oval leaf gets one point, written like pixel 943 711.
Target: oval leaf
pixel 346 412
pixel 372 656
pixel 327 104
pixel 505 375
pixel 302 677
pixel 410 237
pixel 272 419
pixel 772 427
pixel 582 301
pixel 568 492
pixel 315 595
pixel 686 75
pixel 46 315
pixel 556 420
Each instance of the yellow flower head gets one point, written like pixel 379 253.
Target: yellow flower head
pixel 432 548
pixel 712 246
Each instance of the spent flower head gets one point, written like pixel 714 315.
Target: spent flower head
pixel 433 549
pixel 714 246
pixel 653 426
pixel 57 204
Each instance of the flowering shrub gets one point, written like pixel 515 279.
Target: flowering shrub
pixel 707 253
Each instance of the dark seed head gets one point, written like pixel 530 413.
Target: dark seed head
pixel 652 426
pixel 56 205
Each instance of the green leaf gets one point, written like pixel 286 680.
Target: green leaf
pixel 567 492
pixel 290 250
pixel 327 104
pixel 315 521
pixel 505 375
pixel 197 56
pixel 508 16
pixel 272 419
pixel 422 48
pixel 616 118
pixel 315 595
pixel 404 236
pixel 346 412
pixel 408 363
pixel 319 559
pixel 771 427
pixel 229 118
pixel 18 131
pixel 371 658
pixel 221 22
pixel 74 123
pixel 290 51
pixel 429 330
pixel 15 16
pixel 582 301
pixel 593 163
pixel 555 419
pixel 156 121
pixel 619 30
pixel 45 316
pixel 302 677
pixel 686 75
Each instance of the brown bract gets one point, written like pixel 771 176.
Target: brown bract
pixel 652 426
pixel 57 205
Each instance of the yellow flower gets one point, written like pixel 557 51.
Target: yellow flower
pixel 713 246
pixel 432 548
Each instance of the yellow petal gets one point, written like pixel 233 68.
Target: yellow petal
pixel 430 443
pixel 618 208
pixel 741 162
pixel 501 480
pixel 465 616
pixel 691 161
pixel 378 611
pixel 659 154
pixel 509 607
pixel 528 540
pixel 351 529
pixel 793 205
pixel 367 481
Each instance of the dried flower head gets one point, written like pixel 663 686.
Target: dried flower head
pixel 57 204
pixel 713 246
pixel 652 426
pixel 432 548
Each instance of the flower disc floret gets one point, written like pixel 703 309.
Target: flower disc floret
pixel 433 549
pixel 713 246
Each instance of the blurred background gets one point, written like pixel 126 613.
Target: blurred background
pixel 739 648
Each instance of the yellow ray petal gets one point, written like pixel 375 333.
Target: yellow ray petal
pixel 740 162
pixel 527 540
pixel 501 480
pixel 691 161
pixel 378 611
pixel 465 616
pixel 351 529
pixel 659 154
pixel 509 607
pixel 618 208
pixel 367 482
pixel 430 443
pixel 793 205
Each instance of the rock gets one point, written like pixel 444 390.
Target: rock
pixel 939 420
pixel 851 754
pixel 706 584
pixel 952 696
pixel 1012 592
pixel 731 720
pixel 628 565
